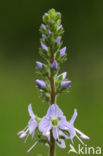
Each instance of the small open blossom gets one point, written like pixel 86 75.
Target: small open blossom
pixel 54 120
pixel 31 126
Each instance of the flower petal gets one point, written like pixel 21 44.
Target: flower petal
pixel 71 130
pixel 63 124
pixel 54 111
pixel 74 116
pixel 44 125
pixel 32 124
pixel 55 132
pixel 61 143
pixel 30 111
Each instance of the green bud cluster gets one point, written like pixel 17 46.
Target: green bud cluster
pixel 53 53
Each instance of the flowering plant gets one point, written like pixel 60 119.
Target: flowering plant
pixel 53 128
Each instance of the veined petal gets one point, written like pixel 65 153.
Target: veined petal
pixel 61 143
pixel 54 111
pixel 44 125
pixel 32 124
pixel 30 111
pixel 71 130
pixel 55 132
pixel 82 135
pixel 74 116
pixel 63 124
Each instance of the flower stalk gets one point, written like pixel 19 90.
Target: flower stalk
pixel 52 101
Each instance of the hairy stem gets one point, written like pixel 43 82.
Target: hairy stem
pixel 52 101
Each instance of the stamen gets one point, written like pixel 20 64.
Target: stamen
pixel 26 138
pixel 80 140
pixel 82 134
pixel 33 146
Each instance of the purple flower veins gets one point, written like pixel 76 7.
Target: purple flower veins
pixel 54 120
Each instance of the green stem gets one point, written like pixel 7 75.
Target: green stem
pixel 52 101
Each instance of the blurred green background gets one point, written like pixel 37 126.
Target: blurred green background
pixel 19 42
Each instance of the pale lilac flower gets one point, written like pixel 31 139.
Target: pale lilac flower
pixel 58 40
pixel 73 131
pixel 59 27
pixel 43 37
pixel 62 51
pixel 63 74
pixel 55 65
pixel 54 120
pixel 52 21
pixel 44 47
pixel 43 26
pixel 65 84
pixel 40 83
pixel 39 65
pixel 49 32
pixel 31 127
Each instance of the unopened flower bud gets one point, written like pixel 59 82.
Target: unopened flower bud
pixel 52 21
pixel 39 65
pixel 55 65
pixel 62 51
pixel 65 84
pixel 49 32
pixel 40 83
pixel 43 26
pixel 58 40
pixel 59 27
pixel 43 37
pixel 44 47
